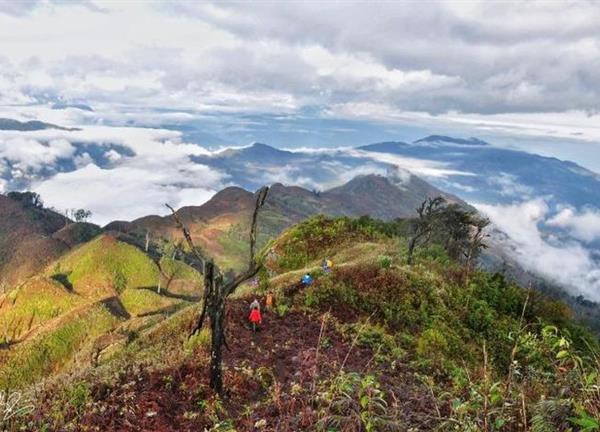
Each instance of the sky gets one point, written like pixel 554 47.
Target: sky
pixel 153 85
pixel 317 74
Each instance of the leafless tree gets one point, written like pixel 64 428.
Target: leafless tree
pixel 216 291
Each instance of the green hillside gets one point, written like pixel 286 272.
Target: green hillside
pixel 106 265
pixel 85 303
pixel 374 345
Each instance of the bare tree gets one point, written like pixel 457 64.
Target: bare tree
pixel 216 291
pixel 147 243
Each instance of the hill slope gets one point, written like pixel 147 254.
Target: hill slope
pixel 375 344
pixel 26 242
pixel 83 303
pixel 220 225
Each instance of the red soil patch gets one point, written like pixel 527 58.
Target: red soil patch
pixel 285 354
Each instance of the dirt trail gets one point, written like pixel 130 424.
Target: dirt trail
pixel 285 350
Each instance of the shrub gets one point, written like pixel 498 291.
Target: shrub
pixel 355 402
pixel 282 309
pixel 119 280
pixel 202 339
pixel 433 345
pixel 318 236
pixel 384 261
pixel 78 396
pixel 481 316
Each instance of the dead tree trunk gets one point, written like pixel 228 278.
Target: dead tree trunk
pixel 216 292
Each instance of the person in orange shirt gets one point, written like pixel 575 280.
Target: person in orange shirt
pixel 269 301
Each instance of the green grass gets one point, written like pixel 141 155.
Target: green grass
pixel 320 237
pixel 105 264
pixel 142 301
pixel 179 271
pixel 53 351
pixel 32 304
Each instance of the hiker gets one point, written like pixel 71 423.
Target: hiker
pixel 255 317
pixel 269 301
pixel 307 279
pixel 326 265
pixel 255 305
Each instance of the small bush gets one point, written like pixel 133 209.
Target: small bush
pixel 119 281
pixel 78 396
pixel 282 309
pixel 433 345
pixel 384 261
pixel 202 339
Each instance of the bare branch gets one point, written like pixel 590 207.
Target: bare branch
pixel 253 268
pixel 188 237
pixel 260 201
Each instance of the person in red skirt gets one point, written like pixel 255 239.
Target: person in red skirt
pixel 255 315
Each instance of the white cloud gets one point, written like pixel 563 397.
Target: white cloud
pixel 568 263
pixel 384 62
pixel 584 225
pixel 420 167
pixel 127 192
pixel 510 186
pixel 157 170
pixel 25 154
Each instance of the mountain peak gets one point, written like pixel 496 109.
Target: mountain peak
pixel 263 146
pixel 258 147
pixel 451 140
pixel 386 146
pixel 31 125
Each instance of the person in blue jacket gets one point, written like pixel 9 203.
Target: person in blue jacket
pixel 307 279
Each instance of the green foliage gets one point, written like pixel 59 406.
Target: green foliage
pixel 481 316
pixel 107 262
pixel 282 309
pixel 384 261
pixel 119 280
pixel 78 396
pixel 202 340
pixel 433 252
pixel 319 236
pixel 355 402
pixel 34 303
pixel 53 350
pixel 145 301
pixel 264 281
pixel 432 344
pixel 178 270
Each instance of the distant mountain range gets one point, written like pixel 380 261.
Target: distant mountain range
pixel 565 196
pixel 32 125
pixel 499 175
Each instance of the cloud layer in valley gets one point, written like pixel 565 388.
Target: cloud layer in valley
pixel 171 82
pixel 567 262
pixel 184 62
pixel 117 172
